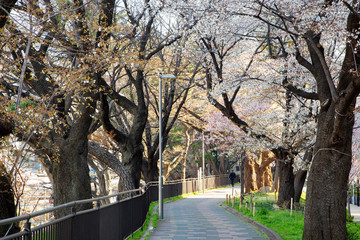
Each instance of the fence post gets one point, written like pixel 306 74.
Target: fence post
pixel 27 228
pixel 251 198
pixel 73 210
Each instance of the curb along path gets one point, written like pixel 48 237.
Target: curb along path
pixel 200 217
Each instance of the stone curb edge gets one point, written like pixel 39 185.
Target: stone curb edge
pixel 269 232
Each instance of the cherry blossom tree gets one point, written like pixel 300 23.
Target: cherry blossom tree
pixel 312 27
pixel 235 86
pixel 47 59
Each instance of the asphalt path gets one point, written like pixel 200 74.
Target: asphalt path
pixel 355 212
pixel 201 217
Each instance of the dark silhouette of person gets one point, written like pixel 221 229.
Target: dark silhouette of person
pixel 232 177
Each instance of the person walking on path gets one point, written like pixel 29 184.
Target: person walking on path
pixel 232 177
pixel 199 217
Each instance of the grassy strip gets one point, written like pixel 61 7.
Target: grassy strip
pixel 266 213
pixel 279 220
pixel 139 233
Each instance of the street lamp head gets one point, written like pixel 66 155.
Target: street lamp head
pixel 167 76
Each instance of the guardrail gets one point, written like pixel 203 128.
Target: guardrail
pixel 124 213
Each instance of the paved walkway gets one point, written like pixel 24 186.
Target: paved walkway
pixel 199 217
pixel 355 211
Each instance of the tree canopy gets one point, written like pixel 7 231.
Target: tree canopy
pixel 80 86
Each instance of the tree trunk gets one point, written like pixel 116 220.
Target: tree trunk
pixel 268 177
pixel 242 178
pixel 101 180
pixel 286 176
pixel 222 164
pixel 299 182
pixel 286 183
pixel 259 173
pixel 102 155
pixel 7 199
pixel 182 158
pixel 275 186
pixel 249 170
pixel 213 166
pixel 263 169
pixel 71 175
pixel 7 202
pixel 300 177
pixel 132 156
pixel 326 195
pixel 183 164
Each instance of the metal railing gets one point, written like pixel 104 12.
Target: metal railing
pixel 123 214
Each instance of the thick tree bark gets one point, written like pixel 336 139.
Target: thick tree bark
pixel 70 174
pixel 131 147
pixel 102 155
pixel 7 201
pixel 132 155
pixel 286 183
pixel 242 178
pixel 268 177
pixel 325 212
pixel 300 177
pixel 263 169
pixel 249 170
pixel 275 186
pixel 6 127
pixel 299 182
pixel 286 177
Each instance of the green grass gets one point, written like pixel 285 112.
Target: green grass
pixel 266 213
pixel 279 220
pixel 139 233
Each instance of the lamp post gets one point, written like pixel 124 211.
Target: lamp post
pixel 203 162
pixel 161 205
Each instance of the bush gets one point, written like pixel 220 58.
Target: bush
pixel 353 230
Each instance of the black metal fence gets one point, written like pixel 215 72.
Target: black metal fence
pixel 117 220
